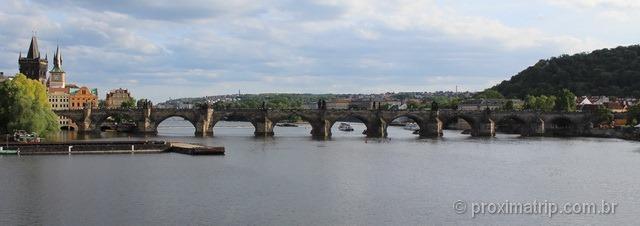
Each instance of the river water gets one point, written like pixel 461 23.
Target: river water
pixel 291 179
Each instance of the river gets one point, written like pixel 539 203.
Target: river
pixel 291 179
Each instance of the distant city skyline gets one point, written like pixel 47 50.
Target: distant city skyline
pixel 162 49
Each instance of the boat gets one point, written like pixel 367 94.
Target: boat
pixel 345 127
pixel 8 151
pixel 125 127
pixel 24 137
pixel 411 126
pixel 286 124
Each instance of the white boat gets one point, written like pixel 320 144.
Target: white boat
pixel 345 127
pixel 411 126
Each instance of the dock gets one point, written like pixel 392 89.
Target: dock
pixel 195 149
pixel 110 147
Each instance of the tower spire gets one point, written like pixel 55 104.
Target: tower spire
pixel 33 49
pixel 57 59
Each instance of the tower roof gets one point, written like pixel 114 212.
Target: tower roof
pixel 57 61
pixel 33 49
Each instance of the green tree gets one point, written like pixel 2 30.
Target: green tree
pixel 489 94
pixel 566 101
pixel 604 115
pixel 131 103
pixel 508 106
pixel 547 103
pixel 24 106
pixel 541 103
pixel 633 115
pixel 609 72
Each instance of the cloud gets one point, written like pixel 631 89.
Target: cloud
pixel 216 47
pixel 620 4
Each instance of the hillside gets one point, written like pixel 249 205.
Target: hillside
pixel 613 72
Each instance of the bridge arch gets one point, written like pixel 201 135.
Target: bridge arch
pixel 159 121
pixel 561 122
pixel 448 120
pixel 415 119
pixel 315 123
pixel 354 117
pixel 232 116
pixel 97 120
pixel 512 124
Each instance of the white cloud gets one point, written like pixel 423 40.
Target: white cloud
pixel 294 46
pixel 621 4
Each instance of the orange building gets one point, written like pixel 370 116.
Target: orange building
pixel 79 97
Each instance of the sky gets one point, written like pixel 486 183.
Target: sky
pixel 162 49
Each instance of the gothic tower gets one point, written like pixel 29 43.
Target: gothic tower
pixel 33 66
pixel 57 78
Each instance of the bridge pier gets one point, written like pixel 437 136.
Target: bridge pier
pixel 204 129
pixel 263 127
pixel 321 129
pixel 205 133
pixel 535 128
pixel 431 128
pixel 377 128
pixel 486 128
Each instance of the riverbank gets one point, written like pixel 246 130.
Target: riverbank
pixel 619 133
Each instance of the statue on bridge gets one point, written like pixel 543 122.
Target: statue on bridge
pixel 322 105
pixel 434 106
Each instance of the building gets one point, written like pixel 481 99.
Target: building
pixel 583 100
pixel 79 97
pixel 2 77
pixel 115 98
pixel 57 78
pixel 338 104
pixel 33 66
pixel 482 104
pixel 616 107
pixel 59 98
pixel 58 92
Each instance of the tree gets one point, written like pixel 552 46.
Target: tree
pixel 566 101
pixel 508 106
pixel 633 115
pixel 24 106
pixel 489 94
pixel 131 103
pixel 546 103
pixel 541 103
pixel 609 72
pixel 604 115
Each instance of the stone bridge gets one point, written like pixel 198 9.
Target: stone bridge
pixel 431 123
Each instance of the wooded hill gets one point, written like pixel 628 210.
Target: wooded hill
pixel 610 72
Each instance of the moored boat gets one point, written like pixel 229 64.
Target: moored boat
pixel 286 124
pixel 8 152
pixel 345 127
pixel 411 126
pixel 24 137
